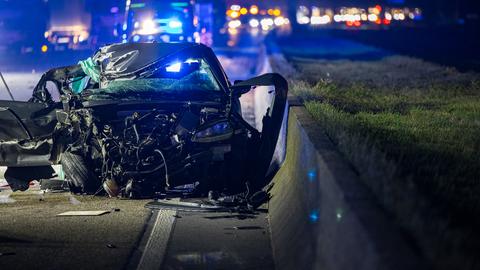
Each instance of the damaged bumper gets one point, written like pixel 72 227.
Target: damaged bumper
pixel 25 153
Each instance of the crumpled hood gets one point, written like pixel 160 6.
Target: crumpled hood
pixel 124 60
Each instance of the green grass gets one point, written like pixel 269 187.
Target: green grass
pixel 433 136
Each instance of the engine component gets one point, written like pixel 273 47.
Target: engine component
pixel 140 153
pixel 111 187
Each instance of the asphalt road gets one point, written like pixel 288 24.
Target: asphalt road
pixel 32 236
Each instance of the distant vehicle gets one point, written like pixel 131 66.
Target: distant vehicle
pixel 69 26
pixel 162 21
pixel 140 119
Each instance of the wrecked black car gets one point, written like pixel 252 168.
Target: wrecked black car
pixel 136 120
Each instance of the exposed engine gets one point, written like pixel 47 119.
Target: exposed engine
pixel 145 152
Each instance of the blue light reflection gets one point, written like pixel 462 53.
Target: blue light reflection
pixel 312 175
pixel 314 216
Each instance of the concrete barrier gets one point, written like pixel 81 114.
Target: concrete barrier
pixel 322 217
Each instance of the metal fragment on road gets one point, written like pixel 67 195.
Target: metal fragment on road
pixel 184 206
pixel 84 213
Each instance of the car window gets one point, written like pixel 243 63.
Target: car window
pixel 53 90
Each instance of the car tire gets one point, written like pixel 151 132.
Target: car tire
pixel 78 174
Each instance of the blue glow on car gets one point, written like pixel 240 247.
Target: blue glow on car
pixel 221 127
pixel 175 67
pixel 218 129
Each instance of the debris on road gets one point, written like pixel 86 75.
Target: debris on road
pixel 183 206
pixel 241 203
pixel 54 185
pixel 6 199
pixel 74 201
pixel 84 213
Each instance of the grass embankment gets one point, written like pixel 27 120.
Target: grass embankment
pixel 434 137
pixel 412 131
pixel 424 117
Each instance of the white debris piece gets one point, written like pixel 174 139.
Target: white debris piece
pixel 84 213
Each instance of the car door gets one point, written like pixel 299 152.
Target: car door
pixel 26 126
pixel 272 123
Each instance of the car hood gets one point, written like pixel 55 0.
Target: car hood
pixel 125 60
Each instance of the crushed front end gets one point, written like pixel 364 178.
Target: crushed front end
pixel 142 149
pixel 139 120
pixel 149 118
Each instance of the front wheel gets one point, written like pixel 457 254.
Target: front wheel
pixel 78 174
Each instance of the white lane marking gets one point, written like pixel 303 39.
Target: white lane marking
pixel 156 247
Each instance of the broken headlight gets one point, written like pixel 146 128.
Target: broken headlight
pixel 214 132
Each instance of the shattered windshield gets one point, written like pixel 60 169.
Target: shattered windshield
pixel 190 76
